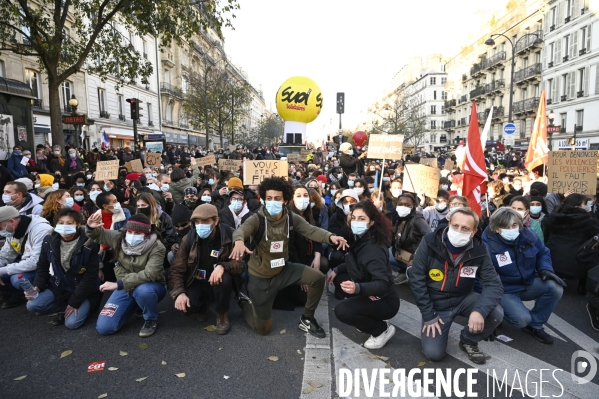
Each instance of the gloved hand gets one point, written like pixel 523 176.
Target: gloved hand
pixel 546 274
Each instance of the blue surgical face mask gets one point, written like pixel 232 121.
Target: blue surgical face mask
pixel 17 152
pixel 72 155
pixel 79 198
pixel 206 198
pixel 56 152
pixel 165 187
pixel 203 230
pixel 65 229
pixel 93 195
pixel 236 205
pixel 69 202
pixel 211 181
pixel 350 183
pixel 333 192
pixel 301 203
pixel 274 208
pixel 106 188
pixel 359 228
pixel 80 184
pixel 535 210
pixel 510 234
pixel 134 239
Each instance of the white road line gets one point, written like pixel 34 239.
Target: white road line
pixel 503 358
pixel 317 356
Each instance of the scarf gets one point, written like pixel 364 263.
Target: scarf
pixel 74 163
pixel 237 217
pixel 140 248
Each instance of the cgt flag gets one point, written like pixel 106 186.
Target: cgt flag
pixel 475 170
pixel 538 153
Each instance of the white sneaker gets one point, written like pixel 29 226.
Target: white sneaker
pixel 381 340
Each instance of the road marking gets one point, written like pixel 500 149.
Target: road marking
pixel 317 356
pixel 503 357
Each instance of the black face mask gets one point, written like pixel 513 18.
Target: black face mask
pixel 144 211
pixel 183 233
pixel 191 203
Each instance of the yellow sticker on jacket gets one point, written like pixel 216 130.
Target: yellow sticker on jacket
pixel 435 274
pixel 16 245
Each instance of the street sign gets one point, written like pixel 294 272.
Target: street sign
pixel 509 140
pixel 553 129
pixel 509 128
pixel 74 119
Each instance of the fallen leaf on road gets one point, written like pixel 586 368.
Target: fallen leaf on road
pixel 65 353
pixel 314 384
pixel 140 379
pixel 220 349
pixel 113 368
pixel 143 345
pixel 53 314
pixel 20 378
pixel 163 363
pixel 226 377
pixel 273 358
pixel 210 328
pixel 162 311
pixel 123 353
pixel 308 390
pixel 299 352
pixel 283 331
pixel 103 396
pixel 420 364
pixel 180 375
pixel 383 358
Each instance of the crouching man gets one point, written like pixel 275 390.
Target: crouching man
pixel 442 276
pixel 202 271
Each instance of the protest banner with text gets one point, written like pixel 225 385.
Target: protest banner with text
pixel 572 170
pixel 107 170
pixel 385 146
pixel 294 158
pixel 153 160
pixel 256 171
pixel 421 178
pixel 207 160
pixel 231 165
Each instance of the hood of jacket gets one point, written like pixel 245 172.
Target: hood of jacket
pixel 30 201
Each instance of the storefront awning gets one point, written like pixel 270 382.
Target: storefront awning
pixel 120 137
pixel 11 86
pixel 41 128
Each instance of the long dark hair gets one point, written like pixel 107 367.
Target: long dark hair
pixel 381 230
pixel 572 201
pixel 308 211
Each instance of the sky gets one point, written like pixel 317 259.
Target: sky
pixel 355 47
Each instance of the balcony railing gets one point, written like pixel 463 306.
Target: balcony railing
pixel 450 103
pixel 167 122
pixel 462 122
pixel 580 94
pixel 498 112
pixel 37 103
pixel 579 128
pixel 104 114
pixel 528 41
pixel 464 98
pixel 582 51
pixel 167 88
pixel 495 60
pixel 184 125
pixel 550 64
pixel 482 117
pixel 479 91
pixel 564 97
pixel 121 117
pixel 527 73
pixel 494 86
pixel 449 124
pixel 150 123
pixel 527 105
pixel 68 109
pixel 476 68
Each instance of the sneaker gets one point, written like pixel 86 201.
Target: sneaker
pixel 222 324
pixel 400 279
pixel 13 302
pixel 243 298
pixel 149 328
pixel 474 354
pixel 594 315
pixel 380 341
pixel 539 334
pixel 310 325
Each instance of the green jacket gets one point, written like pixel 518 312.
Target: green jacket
pixel 535 226
pixel 276 230
pixel 178 188
pixel 132 270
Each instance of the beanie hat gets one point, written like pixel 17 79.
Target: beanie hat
pixel 235 182
pixel 180 214
pixel 191 190
pixel 132 176
pixel 139 223
pixel 46 180
pixel 27 182
pixel 205 211
pixel 8 212
pixel 322 178
pixel 345 147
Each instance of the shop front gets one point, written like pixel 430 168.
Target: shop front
pixel 118 137
pixel 16 119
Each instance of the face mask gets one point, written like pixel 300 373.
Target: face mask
pixel 65 229
pixel 517 188
pixel 203 230
pixel 206 198
pixel 339 175
pixel 164 188
pixel 183 232
pixel 510 234
pixel 149 176
pixel 80 184
pixel 301 203
pixel 116 209
pixel 17 152
pixel 144 211
pixel 457 238
pixel 403 211
pixel 236 205
pixel 79 198
pixel 106 188
pixel 7 198
pixel 89 177
pixel 190 202
pixel 37 185
pixel 72 155
pixel 55 186
pixel 444 187
pixel 56 152
pixel 396 192
pixel 359 190
pixel 359 228
pixel 351 152
pixel 211 181
pixel 385 179
pixel 134 239
pixel 441 207
pixel 350 183
pixel 587 208
pixel 274 208
pixel 69 202
pixel 535 210
pixel 333 192
pixel 346 209
pixel 93 195
pixel 522 214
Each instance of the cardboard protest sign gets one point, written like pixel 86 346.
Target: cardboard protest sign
pixel 232 165
pixel 107 170
pixel 153 160
pixel 304 155
pixel 572 170
pixel 385 146
pixel 207 160
pixel 256 171
pixel 136 165
pixel 449 164
pixel 294 158
pixel 418 178
pixel 432 162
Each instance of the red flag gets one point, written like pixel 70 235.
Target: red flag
pixel 538 153
pixel 475 169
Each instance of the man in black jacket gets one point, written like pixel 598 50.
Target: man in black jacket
pixel 442 276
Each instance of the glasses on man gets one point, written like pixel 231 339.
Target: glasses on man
pixel 457 205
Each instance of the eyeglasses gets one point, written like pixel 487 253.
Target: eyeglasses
pixel 181 225
pixel 457 205
pixel 236 199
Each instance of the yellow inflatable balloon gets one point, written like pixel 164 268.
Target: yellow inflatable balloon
pixel 299 99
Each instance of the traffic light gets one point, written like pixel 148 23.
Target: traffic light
pixel 134 102
pixel 336 139
pixel 340 103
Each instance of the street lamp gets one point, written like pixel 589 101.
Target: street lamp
pixel 551 129
pixel 491 42
pixel 74 103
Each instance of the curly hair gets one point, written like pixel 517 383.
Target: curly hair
pixel 51 205
pixel 381 229
pixel 276 184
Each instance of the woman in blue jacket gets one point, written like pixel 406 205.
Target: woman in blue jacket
pixel 524 266
pixel 15 166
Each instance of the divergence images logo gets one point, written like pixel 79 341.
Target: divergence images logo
pixel 583 362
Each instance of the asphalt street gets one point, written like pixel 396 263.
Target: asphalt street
pixel 237 365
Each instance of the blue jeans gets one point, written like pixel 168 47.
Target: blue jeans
pixel 44 303
pixel 546 295
pixel 122 304
pixel 11 284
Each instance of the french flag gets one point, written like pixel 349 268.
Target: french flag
pixel 105 141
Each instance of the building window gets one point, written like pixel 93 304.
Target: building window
pixel 32 79
pixel 167 76
pixel 581 80
pixel 570 8
pixel 566 42
pixel 2 70
pixel 443 138
pixel 553 17
pixel 585 38
pixel 433 80
pixel 183 84
pixel 550 90
pixel 149 107
pixel 523 129
pixel 434 94
pixel 121 106
pixel 433 125
pixel 444 95
pixel 144 46
pixel 433 109
pixel 443 109
pixel 443 80
pixel 169 113
pixel 564 90
pixel 563 120
pixel 65 89
pixel 580 118
pixel 102 100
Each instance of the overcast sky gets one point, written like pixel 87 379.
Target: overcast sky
pixel 345 46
